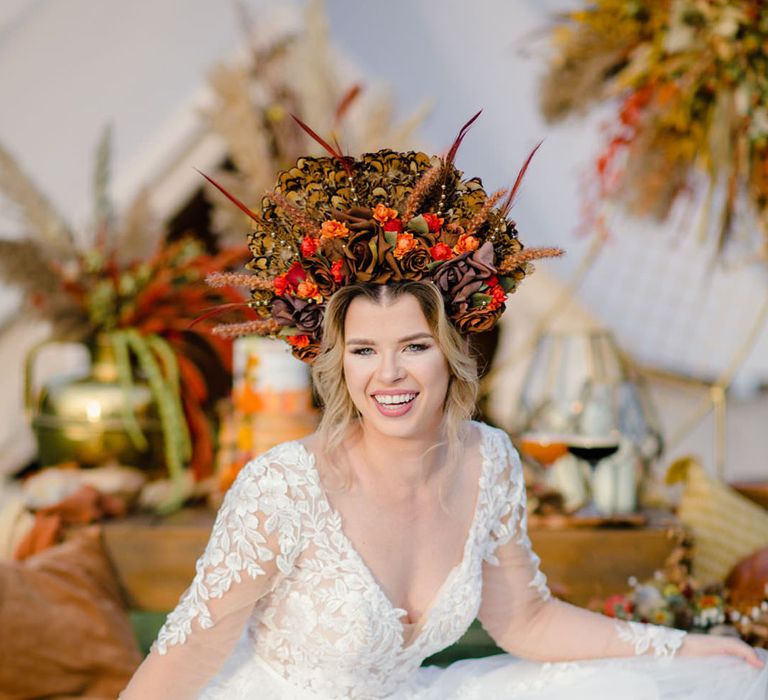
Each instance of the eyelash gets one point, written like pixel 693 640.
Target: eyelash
pixel 419 347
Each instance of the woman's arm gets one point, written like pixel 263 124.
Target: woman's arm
pixel 522 617
pixel 254 540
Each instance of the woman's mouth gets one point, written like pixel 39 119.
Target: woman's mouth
pixel 394 405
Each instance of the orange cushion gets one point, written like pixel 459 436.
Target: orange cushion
pixel 65 631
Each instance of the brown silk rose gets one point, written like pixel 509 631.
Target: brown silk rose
pixel 458 279
pixel 357 219
pixel 477 320
pixel 414 264
pixel 306 316
pixel 322 276
pixel 282 312
pixel 370 258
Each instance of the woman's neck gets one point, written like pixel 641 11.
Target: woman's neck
pixel 404 464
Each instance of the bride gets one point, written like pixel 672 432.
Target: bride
pixel 338 563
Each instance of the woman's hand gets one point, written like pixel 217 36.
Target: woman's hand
pixel 713 645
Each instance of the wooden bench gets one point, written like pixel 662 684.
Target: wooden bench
pixel 155 561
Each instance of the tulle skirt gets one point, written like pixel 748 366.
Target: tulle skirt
pixel 505 677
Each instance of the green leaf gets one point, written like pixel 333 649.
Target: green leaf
pixel 508 284
pixel 480 299
pixel 174 425
pixel 391 237
pixel 287 331
pixel 418 224
pixel 119 344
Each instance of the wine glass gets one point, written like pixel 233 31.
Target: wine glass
pixel 597 435
pixel 543 448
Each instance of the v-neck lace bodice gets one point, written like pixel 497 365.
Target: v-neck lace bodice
pixel 412 629
pixel 317 623
pixel 326 624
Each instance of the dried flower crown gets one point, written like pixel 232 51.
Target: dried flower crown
pixel 382 218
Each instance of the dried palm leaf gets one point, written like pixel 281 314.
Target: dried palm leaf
pixel 139 233
pixel 37 214
pixel 316 81
pixel 24 264
pixel 102 204
pixel 236 120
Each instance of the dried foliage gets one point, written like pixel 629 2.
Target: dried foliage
pixel 122 278
pixel 690 78
pixel 37 216
pixel 284 75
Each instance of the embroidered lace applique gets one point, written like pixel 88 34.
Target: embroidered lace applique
pixel 266 498
pixel 663 640
pixel 512 520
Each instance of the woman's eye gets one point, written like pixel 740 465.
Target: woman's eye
pixel 416 347
pixel 362 351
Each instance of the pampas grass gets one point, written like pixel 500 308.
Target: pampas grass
pixel 479 219
pixel 38 217
pixel 266 326
pixel 510 263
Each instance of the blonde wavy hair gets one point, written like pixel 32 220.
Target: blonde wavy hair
pixel 340 416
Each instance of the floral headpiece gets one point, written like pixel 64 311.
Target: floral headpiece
pixel 381 218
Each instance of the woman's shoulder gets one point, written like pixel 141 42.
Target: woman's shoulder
pixel 491 433
pixel 290 450
pixel 291 460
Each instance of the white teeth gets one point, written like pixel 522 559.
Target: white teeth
pixel 391 399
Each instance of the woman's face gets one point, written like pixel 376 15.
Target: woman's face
pixel 396 374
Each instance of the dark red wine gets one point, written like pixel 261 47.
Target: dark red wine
pixel 593 449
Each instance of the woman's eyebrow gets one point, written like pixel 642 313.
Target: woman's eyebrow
pixel 406 339
pixel 415 336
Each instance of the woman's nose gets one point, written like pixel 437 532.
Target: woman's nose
pixel 391 368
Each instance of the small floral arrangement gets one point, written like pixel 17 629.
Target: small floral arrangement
pixel 673 598
pixel 690 78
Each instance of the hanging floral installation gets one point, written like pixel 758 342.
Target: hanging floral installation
pixel 689 79
pixel 121 279
pixel 286 73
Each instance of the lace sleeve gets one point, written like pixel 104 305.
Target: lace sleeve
pixel 517 609
pixel 255 539
pixel 513 585
pixel 508 543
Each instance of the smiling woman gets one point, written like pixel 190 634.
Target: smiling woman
pixel 382 267
pixel 377 338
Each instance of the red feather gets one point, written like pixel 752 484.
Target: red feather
pixel 202 461
pixel 346 101
pixel 336 153
pixel 192 378
pixel 231 197
pixel 216 310
pixel 504 209
pixel 462 133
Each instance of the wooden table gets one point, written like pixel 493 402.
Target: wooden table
pixel 155 557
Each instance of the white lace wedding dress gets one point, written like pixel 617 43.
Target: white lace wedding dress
pixel 283 607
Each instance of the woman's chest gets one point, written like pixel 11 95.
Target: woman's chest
pixel 332 604
pixel 408 554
